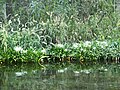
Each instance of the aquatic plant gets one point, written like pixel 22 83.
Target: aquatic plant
pixel 95 53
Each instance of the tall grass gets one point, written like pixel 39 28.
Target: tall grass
pixel 40 24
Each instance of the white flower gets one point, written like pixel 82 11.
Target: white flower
pixel 18 48
pixel 104 43
pixel 87 44
pixel 102 46
pixel 43 51
pixel 84 50
pixel 65 69
pixel 105 70
pixel 60 45
pixel 20 73
pixel 76 45
pixel 94 48
pixel 85 71
pixel 76 72
pixel 34 51
pixel 34 71
pixel 61 71
pixel 81 49
pixel 9 21
pixel 66 50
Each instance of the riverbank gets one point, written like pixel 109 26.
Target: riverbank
pixel 85 52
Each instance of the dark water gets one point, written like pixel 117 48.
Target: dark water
pixel 72 77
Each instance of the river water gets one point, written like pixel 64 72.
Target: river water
pixel 56 77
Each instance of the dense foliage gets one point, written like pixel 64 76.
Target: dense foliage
pixel 36 25
pixel 84 53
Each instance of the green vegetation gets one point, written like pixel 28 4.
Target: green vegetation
pixel 55 31
pixel 84 53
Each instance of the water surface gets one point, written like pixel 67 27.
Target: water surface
pixel 71 77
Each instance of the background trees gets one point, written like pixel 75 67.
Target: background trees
pixel 40 23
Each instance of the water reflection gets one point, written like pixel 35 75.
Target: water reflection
pixel 29 77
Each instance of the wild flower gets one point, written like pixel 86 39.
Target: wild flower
pixel 76 73
pixel 102 69
pixel 43 51
pixel 18 48
pixel 24 51
pixel 20 73
pixel 76 45
pixel 65 69
pixel 60 45
pixel 66 50
pixel 85 71
pixel 103 44
pixel 34 51
pixel 84 50
pixel 87 44
pixel 61 71
pixel 81 49
pixel 94 48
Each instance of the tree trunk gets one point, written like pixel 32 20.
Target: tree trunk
pixel 8 9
